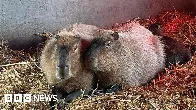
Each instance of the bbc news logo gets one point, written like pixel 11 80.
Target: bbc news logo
pixel 29 98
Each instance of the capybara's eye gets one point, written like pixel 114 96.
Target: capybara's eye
pixel 57 36
pixel 108 44
pixel 75 47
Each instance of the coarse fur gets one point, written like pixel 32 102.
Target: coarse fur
pixel 175 52
pixel 62 65
pixel 87 33
pixel 127 58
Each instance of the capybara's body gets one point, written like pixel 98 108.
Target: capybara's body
pixel 86 32
pixel 126 58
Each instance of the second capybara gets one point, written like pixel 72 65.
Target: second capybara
pixel 128 58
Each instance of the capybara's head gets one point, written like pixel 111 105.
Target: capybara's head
pixel 102 54
pixel 156 29
pixel 67 53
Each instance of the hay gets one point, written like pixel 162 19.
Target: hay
pixel 173 89
pixel 23 77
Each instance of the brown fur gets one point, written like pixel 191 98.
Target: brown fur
pixel 132 59
pixel 78 77
pixel 176 52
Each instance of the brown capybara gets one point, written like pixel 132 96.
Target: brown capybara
pixel 126 58
pixel 61 62
pixel 175 52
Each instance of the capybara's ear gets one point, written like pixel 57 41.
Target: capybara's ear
pixel 115 35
